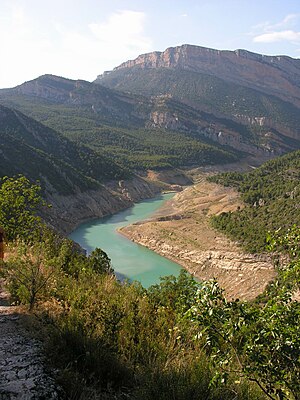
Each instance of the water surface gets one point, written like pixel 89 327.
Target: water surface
pixel 129 259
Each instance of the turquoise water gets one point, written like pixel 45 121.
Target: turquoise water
pixel 129 259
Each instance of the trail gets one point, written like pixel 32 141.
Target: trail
pixel 22 370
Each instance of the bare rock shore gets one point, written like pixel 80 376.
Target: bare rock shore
pixel 182 233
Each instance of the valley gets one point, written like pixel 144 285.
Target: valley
pixel 98 147
pixel 217 134
pixel 102 146
pixel 129 260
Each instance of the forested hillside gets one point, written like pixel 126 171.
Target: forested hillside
pixel 29 147
pixel 205 91
pixel 138 131
pixel 272 196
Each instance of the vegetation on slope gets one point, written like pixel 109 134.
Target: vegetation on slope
pixel 43 154
pixel 114 123
pixel 272 196
pixel 155 148
pixel 203 90
pixel 178 339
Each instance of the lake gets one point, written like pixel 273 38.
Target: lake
pixel 129 260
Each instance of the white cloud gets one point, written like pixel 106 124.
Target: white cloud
pixel 29 49
pixel 123 29
pixel 18 15
pixel 106 44
pixel 21 50
pixel 287 22
pixel 267 32
pixel 272 37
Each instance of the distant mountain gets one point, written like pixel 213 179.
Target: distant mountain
pixel 276 75
pixel 28 147
pixel 257 91
pixel 85 96
pixel 137 131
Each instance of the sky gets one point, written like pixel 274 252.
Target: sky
pixel 80 39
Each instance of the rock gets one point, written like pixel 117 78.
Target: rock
pixel 212 255
pixel 23 374
pixel 67 212
pixel 277 75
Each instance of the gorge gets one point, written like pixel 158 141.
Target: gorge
pixel 181 133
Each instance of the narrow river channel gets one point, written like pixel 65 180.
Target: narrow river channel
pixel 129 259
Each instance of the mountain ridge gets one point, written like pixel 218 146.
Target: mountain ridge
pixel 231 65
pixel 259 92
pixel 185 106
pixel 117 122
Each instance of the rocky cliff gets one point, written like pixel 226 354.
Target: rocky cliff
pixel 67 212
pixel 247 101
pixel 270 142
pixel 279 75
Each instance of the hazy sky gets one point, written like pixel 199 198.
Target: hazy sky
pixel 82 38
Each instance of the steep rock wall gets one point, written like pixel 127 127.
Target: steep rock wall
pixel 67 212
pixel 279 75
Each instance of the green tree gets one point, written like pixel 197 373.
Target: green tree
pixel 28 273
pixel 260 341
pixel 99 262
pixel 19 202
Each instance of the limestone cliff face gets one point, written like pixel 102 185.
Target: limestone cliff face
pixel 270 123
pixel 269 143
pixel 240 99
pixel 279 75
pixel 67 212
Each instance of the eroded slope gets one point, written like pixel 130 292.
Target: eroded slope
pixel 182 233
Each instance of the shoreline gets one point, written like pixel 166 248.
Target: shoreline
pixel 180 231
pixel 70 211
pixel 127 236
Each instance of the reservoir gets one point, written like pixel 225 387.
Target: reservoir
pixel 129 260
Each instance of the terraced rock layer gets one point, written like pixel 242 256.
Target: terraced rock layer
pixel 182 233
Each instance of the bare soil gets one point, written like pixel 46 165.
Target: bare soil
pixel 181 232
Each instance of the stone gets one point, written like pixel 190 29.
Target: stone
pixel 23 373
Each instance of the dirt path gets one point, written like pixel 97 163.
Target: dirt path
pixel 22 371
pixel 182 232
